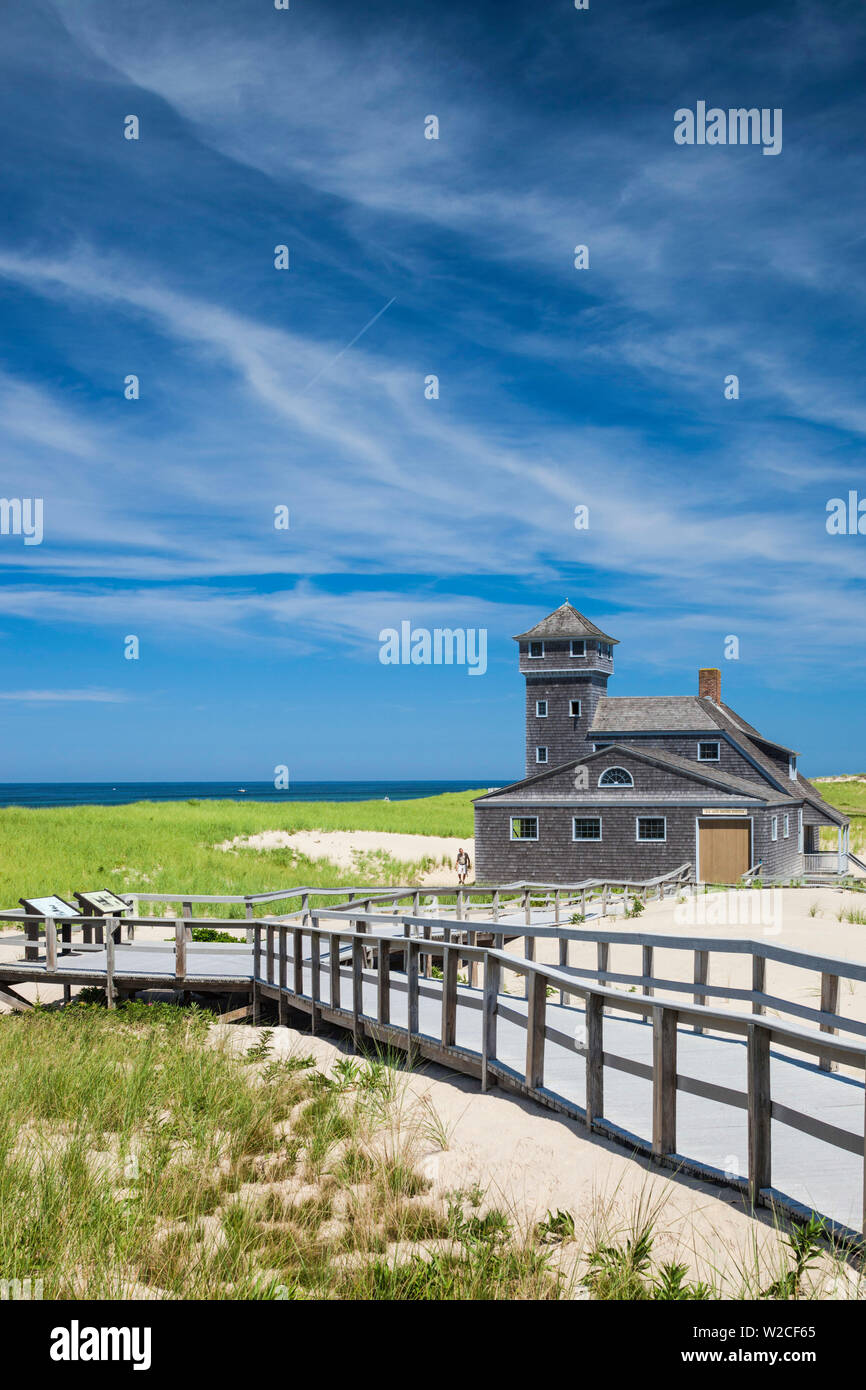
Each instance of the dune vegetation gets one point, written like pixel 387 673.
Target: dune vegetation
pixel 170 847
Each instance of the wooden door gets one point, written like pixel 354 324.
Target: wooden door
pixel 725 849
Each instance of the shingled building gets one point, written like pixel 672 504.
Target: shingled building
pixel 633 786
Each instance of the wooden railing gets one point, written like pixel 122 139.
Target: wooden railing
pixel 285 955
pixel 275 962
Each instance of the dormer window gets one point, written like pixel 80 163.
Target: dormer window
pixel 792 767
pixel 708 752
pixel 536 649
pixel 616 777
pixel 578 648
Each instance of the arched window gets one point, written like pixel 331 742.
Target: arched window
pixel 616 777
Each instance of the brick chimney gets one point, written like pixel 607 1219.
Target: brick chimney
pixel 710 683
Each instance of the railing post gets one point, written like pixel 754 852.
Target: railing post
pixel 411 997
pixel 248 914
pixel 416 904
pixel 459 909
pixel 529 952
pixel 829 1005
pixel 496 904
pixel 702 974
pixel 187 910
pixel 759 981
pixel 664 1081
pixel 603 953
pixel 357 989
pixel 563 963
pixel 179 946
pixel 647 968
pixel 335 970
pixel 527 906
pixel 298 959
pixel 535 1020
pixel 583 903
pixel 556 906
pixel 281 977
pixel 50 944
pixel 488 1018
pixel 315 979
pixel 449 996
pixel 474 965
pixel 604 892
pixel 594 1058
pixel 760 1160
pixel 269 953
pixel 305 909
pixel 383 981
pixel 257 952
pixel 110 996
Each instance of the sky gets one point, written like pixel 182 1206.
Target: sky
pixel 304 388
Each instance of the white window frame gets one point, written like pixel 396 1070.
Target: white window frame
pixel 605 649
pixel 629 783
pixel 651 841
pixel 522 839
pixel 702 743
pixel 538 712
pixel 571 705
pixel 786 825
pixel 542 748
pixel 800 834
pixel 792 767
pixel 578 642
pixel 587 839
pixel 536 656
pixel 774 828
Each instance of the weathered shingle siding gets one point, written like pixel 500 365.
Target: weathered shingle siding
pixel 731 760
pixel 780 858
pixel 562 735
pixel 556 858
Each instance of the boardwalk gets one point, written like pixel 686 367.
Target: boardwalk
pixel 710 1137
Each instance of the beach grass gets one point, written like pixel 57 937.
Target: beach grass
pixel 146 1154
pixel 141 1156
pixel 849 797
pixel 169 847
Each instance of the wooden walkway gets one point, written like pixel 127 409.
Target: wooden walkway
pixel 743 1098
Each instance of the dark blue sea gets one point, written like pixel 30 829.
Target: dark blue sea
pixel 120 793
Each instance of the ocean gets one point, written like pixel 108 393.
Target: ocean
pixel 121 793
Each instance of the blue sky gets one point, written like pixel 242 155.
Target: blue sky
pixel 558 387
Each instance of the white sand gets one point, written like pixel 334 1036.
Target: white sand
pixel 529 1161
pixel 347 849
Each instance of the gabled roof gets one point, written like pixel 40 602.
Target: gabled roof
pixel 696 713
pixel 737 786
pixel 631 714
pixel 565 622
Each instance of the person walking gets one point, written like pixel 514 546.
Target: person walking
pixel 462 864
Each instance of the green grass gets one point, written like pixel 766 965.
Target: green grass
pixel 140 1156
pixel 850 798
pixel 167 847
